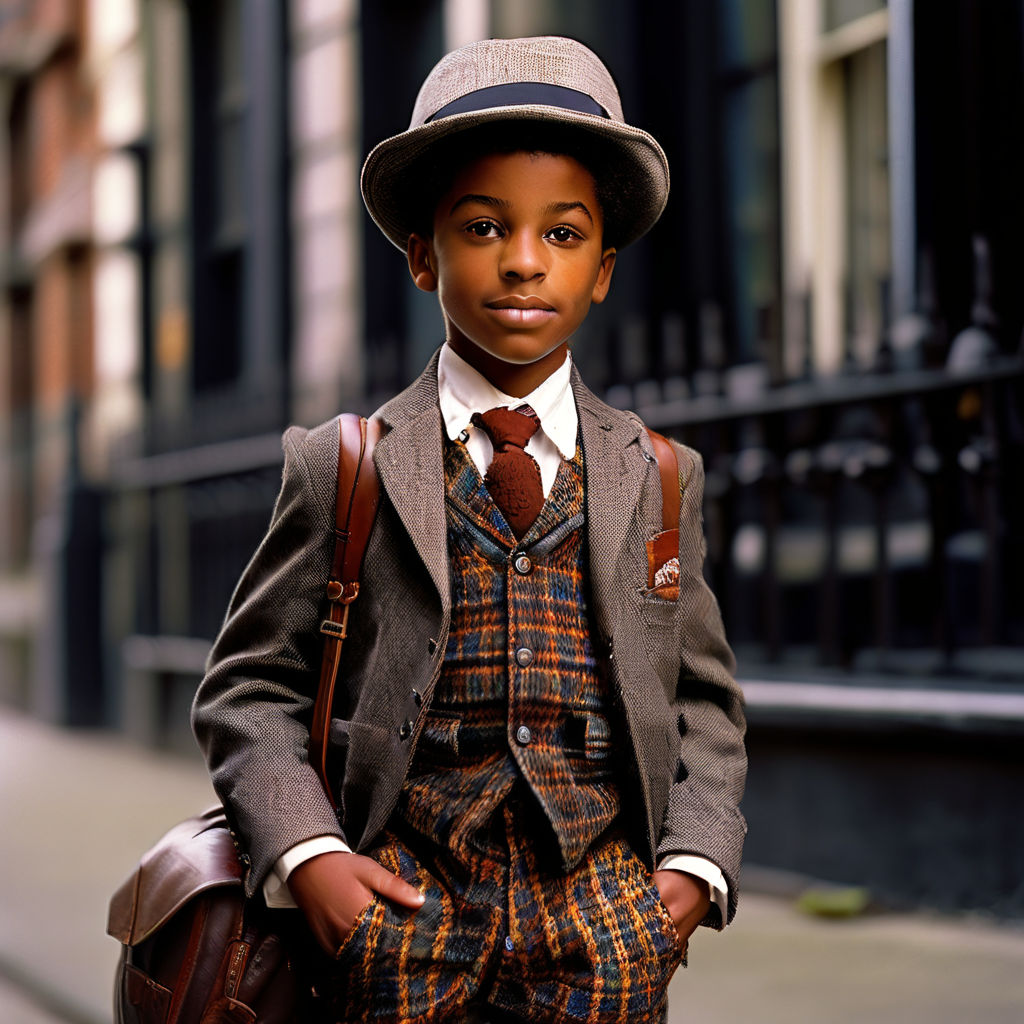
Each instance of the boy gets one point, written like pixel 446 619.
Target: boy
pixel 539 741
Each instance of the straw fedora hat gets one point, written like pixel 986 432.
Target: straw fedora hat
pixel 542 79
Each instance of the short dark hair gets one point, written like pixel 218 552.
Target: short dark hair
pixel 434 173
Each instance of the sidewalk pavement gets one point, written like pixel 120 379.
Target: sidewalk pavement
pixel 77 809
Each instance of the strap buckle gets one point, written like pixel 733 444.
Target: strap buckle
pixel 343 593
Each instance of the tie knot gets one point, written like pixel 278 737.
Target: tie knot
pixel 508 426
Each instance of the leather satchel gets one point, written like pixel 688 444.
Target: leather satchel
pixel 195 949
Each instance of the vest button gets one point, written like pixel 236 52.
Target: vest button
pixel 405 731
pixel 418 697
pixel 524 656
pixel 523 565
pixel 523 735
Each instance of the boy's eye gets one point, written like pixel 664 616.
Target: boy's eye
pixel 563 233
pixel 484 229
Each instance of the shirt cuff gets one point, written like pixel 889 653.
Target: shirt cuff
pixel 707 870
pixel 275 889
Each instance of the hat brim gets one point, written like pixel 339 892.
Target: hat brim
pixel 638 160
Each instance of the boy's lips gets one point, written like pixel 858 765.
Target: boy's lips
pixel 521 310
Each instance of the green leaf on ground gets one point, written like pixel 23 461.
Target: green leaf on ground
pixel 834 901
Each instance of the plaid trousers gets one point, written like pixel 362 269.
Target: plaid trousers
pixel 511 935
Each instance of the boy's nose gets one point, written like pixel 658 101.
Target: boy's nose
pixel 522 257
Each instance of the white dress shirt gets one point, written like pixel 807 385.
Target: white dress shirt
pixel 463 391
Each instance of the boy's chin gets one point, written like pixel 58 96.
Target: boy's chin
pixel 513 371
pixel 511 356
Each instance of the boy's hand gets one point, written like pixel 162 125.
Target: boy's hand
pixel 334 888
pixel 687 897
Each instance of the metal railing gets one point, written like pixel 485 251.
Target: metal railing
pixel 867 524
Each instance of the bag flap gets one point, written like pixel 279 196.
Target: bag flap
pixel 196 855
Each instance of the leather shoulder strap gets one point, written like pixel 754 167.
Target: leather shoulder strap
pixel 356 504
pixel 668 466
pixel 355 510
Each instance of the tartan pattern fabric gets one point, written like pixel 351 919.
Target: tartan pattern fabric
pixel 537 908
pixel 498 714
pixel 505 932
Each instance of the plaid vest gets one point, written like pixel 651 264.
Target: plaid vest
pixel 521 695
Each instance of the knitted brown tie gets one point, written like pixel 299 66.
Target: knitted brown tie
pixel 513 478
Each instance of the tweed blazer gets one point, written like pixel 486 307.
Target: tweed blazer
pixel 668 660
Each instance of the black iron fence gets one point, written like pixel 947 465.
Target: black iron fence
pixel 181 527
pixel 869 524
pixel 874 520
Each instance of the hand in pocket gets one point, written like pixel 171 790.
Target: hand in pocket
pixel 333 889
pixel 687 898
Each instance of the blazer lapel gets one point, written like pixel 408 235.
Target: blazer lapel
pixel 615 469
pixel 410 463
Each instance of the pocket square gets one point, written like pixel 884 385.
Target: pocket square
pixel 668 573
pixel 663 565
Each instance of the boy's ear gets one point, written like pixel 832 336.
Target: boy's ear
pixel 604 276
pixel 420 253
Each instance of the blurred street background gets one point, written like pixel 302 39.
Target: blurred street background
pixel 69 841
pixel 830 310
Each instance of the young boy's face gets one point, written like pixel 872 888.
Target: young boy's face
pixel 516 258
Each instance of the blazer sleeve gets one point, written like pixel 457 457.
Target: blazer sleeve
pixel 252 710
pixel 702 816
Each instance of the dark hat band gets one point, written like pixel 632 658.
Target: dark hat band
pixel 521 94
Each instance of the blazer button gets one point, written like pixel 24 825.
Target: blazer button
pixel 523 735
pixel 523 565
pixel 405 731
pixel 524 656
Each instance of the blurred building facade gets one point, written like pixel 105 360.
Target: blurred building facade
pixel 829 311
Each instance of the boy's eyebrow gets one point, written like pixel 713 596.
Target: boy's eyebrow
pixel 472 197
pixel 567 207
pixel 501 204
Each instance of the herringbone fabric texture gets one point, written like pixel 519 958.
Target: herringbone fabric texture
pixel 671 666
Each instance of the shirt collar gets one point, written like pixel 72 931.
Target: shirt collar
pixel 462 391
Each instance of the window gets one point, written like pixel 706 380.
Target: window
pixel 748 70
pixel 837 13
pixel 867 200
pixel 240 213
pixel 834 88
pixel 220 229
